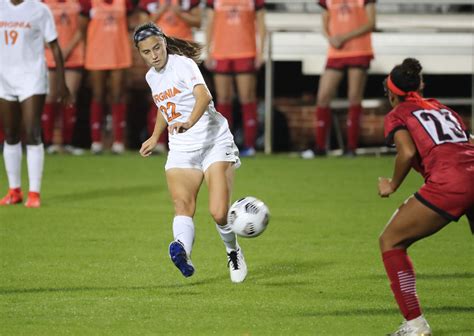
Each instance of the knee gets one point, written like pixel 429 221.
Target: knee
pixel 389 242
pixel 323 100
pixel 184 207
pixel 353 101
pixel 33 135
pixel 219 213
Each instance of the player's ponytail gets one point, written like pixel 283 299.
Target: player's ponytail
pixel 174 46
pixel 406 76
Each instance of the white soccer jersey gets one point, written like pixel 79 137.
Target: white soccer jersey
pixel 24 28
pixel 172 90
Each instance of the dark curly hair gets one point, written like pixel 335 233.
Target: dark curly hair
pixel 406 76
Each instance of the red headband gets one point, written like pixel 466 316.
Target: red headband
pixel 392 87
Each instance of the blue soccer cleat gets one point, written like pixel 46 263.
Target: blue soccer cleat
pixel 180 259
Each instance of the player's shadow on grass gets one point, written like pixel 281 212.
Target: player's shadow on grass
pixel 113 192
pixel 384 311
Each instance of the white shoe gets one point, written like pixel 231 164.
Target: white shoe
pixel 118 148
pixel 237 265
pixel 53 149
pixel 307 154
pixel 73 150
pixel 415 327
pixel 97 148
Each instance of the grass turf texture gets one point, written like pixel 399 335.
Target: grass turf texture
pixel 94 261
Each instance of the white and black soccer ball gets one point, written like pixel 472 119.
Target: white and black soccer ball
pixel 248 217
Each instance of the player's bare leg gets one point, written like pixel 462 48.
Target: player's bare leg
pixel 220 179
pixel 183 185
pixel 10 112
pixel 410 223
pixel 32 109
pixel 224 86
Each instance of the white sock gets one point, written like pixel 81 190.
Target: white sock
pixel 228 237
pixel 183 230
pixel 12 157
pixel 35 161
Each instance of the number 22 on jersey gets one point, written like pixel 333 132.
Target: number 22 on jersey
pixel 441 125
pixel 170 111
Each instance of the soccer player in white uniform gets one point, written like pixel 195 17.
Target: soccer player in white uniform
pixel 201 144
pixel 24 27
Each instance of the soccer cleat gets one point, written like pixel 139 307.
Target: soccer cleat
pixel 73 150
pixel 53 149
pixel 118 148
pixel 248 152
pixel 97 148
pixel 415 327
pixel 180 259
pixel 237 265
pixel 33 200
pixel 14 196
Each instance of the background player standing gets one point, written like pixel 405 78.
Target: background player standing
pixel 71 27
pixel 233 49
pixel 25 27
pixel 201 144
pixel 346 25
pixel 108 54
pixel 432 139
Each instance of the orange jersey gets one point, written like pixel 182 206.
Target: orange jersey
pixel 66 16
pixel 346 16
pixel 169 22
pixel 234 28
pixel 108 43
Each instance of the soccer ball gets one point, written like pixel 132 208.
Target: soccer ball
pixel 248 217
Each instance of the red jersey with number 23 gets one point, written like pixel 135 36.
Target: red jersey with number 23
pixel 440 137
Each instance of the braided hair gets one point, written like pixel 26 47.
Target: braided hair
pixel 174 46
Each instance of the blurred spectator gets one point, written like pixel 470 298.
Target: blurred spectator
pixel 71 28
pixel 347 25
pixel 233 49
pixel 108 54
pixel 176 18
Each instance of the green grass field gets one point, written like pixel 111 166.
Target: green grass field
pixel 93 259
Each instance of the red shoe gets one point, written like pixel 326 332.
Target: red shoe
pixel 33 200
pixel 14 196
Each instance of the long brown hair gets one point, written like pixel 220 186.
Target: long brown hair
pixel 174 46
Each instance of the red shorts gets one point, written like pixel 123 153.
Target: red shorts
pixel 235 65
pixel 450 193
pixel 343 63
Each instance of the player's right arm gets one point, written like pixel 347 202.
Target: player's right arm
pixel 150 144
pixel 406 152
pixel 209 29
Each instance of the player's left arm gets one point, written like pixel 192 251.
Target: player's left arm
pixel 203 98
pixel 366 28
pixel 193 17
pixel 78 37
pixel 406 152
pixel 262 33
pixel 63 91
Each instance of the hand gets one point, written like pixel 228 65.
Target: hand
pixel 386 187
pixel 259 61
pixel 179 127
pixel 64 96
pixel 148 146
pixel 336 41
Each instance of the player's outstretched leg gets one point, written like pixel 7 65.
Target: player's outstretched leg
pixel 180 259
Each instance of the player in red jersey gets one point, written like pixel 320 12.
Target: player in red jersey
pixel 347 25
pixel 432 139
pixel 234 49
